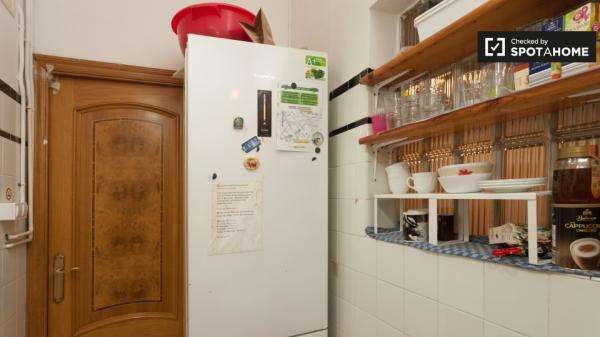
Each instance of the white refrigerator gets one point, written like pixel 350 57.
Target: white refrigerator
pixel 256 189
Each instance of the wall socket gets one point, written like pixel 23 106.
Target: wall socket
pixel 10 6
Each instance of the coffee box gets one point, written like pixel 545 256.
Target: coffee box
pixel 576 236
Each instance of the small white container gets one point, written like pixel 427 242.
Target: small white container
pixel 443 14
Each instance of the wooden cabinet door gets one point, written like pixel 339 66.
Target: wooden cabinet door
pixel 115 224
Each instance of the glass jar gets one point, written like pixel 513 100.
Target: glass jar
pixel 576 178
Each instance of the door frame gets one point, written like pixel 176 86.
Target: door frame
pixel 45 69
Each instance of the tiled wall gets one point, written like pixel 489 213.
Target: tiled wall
pixel 378 289
pixel 12 261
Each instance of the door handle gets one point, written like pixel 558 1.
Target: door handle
pixel 59 278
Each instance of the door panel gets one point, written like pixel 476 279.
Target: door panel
pixel 116 160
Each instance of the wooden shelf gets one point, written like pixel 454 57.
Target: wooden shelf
pixel 459 39
pixel 545 97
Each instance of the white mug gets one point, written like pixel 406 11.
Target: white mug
pixel 397 174
pixel 424 182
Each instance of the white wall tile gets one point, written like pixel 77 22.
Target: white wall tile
pixel 9 302
pixel 461 283
pixel 517 299
pixel 345 317
pixel 454 323
pixel 420 316
pixel 390 263
pixel 384 330
pixel 361 152
pixel 363 215
pixel 344 249
pixel 10 266
pixel 366 255
pixel 354 215
pixel 345 210
pixel 365 289
pixel 346 285
pixel 363 324
pixel 421 272
pixel 390 304
pixel 10 328
pixel 346 182
pixel 353 104
pixel 21 312
pixel 363 176
pixel 9 115
pixel 493 330
pixel 574 307
pixel 10 155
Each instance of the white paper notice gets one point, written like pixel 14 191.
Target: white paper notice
pixel 236 217
pixel 300 121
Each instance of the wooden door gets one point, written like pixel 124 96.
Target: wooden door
pixel 114 164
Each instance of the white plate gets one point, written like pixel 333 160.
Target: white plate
pixel 503 182
pixel 509 189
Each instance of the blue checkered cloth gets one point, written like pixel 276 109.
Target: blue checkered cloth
pixel 477 248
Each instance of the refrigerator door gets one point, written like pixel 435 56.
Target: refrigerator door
pixel 275 283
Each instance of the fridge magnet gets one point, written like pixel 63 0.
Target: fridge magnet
pixel 251 163
pixel 238 123
pixel 317 138
pixel 251 144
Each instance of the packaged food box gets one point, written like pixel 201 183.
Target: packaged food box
pixel 521 76
pixel 541 72
pixel 585 18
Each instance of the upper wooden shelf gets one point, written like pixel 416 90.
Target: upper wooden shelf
pixel 459 39
pixel 546 97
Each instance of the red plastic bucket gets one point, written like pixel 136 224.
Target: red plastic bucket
pixel 212 19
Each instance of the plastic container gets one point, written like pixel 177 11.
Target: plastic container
pixel 443 14
pixel 211 19
pixel 379 122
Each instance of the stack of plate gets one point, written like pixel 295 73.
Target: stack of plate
pixel 511 185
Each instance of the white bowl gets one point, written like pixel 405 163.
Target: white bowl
pixel 463 184
pixel 466 169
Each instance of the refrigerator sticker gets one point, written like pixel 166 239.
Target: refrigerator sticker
pixel 299 118
pixel 316 67
pixel 264 113
pixel 236 217
pixel 251 144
